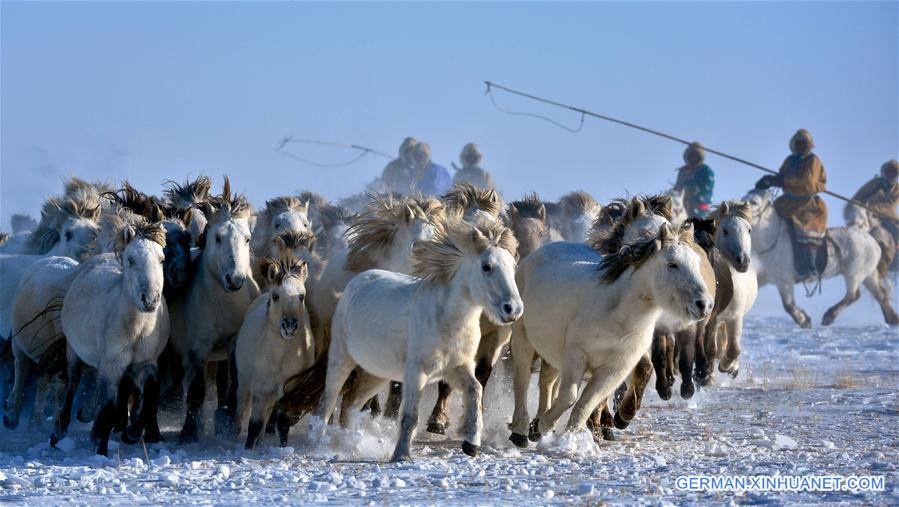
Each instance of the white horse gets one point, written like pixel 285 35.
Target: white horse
pixel 592 314
pixel 419 330
pixel 470 203
pixel 678 209
pixel 579 211
pixel 851 252
pixel 274 343
pixel 208 314
pixel 68 228
pixel 115 320
pixel 186 199
pixel 281 214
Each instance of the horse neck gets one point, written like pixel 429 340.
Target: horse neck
pixel 458 303
pixel 767 230
pixel 633 291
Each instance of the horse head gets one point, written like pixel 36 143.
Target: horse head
pixel 285 308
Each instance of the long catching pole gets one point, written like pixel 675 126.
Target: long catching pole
pixel 363 149
pixel 584 112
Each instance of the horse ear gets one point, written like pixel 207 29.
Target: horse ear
pixel 665 234
pixel 686 232
pixel 408 213
pixel 305 207
pixel 542 212
pixel 271 269
pixel 187 216
pixel 304 270
pixel 226 189
pixel 513 212
pixel 725 208
pixel 637 208
pixel 128 234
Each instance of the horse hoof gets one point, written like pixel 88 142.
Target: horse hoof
pixel 10 423
pixel 152 437
pixel 470 449
pixel 401 457
pixel 519 440
pixel 664 393
pixel 620 423
pixel 131 436
pixel 82 417
pixel 54 439
pixel 701 379
pixel 608 434
pixel 534 434
pixel 436 428
pixel 806 324
pixel 686 390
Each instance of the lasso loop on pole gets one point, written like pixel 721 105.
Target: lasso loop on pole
pixel 365 151
pixel 534 115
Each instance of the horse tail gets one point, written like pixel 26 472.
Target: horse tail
pixel 303 392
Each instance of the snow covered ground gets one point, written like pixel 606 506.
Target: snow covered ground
pixel 822 401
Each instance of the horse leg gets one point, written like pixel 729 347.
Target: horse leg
pixel 465 378
pixel 226 388
pixel 244 399
pixel 686 347
pixel 116 388
pixel 852 295
pixel 600 423
pixel 89 397
pixel 633 398
pixel 572 374
pixel 874 286
pixel 730 363
pixel 340 366
pixel 195 377
pixel 149 412
pixel 439 418
pixel 413 382
pixel 704 359
pixel 547 384
pixel 601 384
pixel 394 397
pixel 13 406
pixel 262 405
pixel 283 424
pixel 73 378
pixel 659 363
pixel 123 398
pixel 522 357
pixel 789 303
pixel 367 385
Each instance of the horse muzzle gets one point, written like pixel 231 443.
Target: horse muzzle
pixel 234 283
pixel 741 263
pixel 510 311
pixel 149 303
pixel 289 328
pixel 700 308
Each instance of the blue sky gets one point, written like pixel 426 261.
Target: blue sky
pixel 151 91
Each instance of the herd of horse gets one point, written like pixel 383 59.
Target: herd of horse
pixel 124 304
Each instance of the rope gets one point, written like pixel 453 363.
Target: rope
pixel 533 115
pixel 365 151
pixel 584 112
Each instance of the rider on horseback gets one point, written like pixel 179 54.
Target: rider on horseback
pixel 802 177
pixel 398 171
pixel 881 194
pixel 697 181
pixel 471 170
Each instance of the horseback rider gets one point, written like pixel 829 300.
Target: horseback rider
pixel 696 180
pixel 471 170
pixel 802 177
pixel 881 194
pixel 428 178
pixel 398 172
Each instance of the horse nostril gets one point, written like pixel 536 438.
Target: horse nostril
pixel 228 279
pixel 700 303
pixel 507 308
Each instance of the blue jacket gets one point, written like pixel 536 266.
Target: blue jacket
pixel 435 181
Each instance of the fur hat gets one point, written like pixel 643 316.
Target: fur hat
pixel 694 147
pixel 802 134
pixel 890 170
pixel 470 151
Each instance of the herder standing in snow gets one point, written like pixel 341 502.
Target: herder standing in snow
pixel 471 170
pixel 802 177
pixel 697 181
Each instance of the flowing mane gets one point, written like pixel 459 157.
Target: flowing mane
pixel 225 207
pixel 292 240
pixel 284 204
pixel 607 242
pixel 440 258
pixel 279 270
pixel 137 201
pixel 188 195
pixel 121 225
pixel 84 192
pixel 54 214
pixel 314 200
pixel 613 265
pixel 578 201
pixel 374 229
pixel 464 195
pixel 529 207
pixel 732 208
pixel 333 215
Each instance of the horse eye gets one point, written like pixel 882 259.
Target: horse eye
pixel 248 241
pixel 68 235
pixel 302 298
pixel 725 232
pixel 672 265
pixel 275 298
pixel 277 226
pixel 750 229
pixel 486 268
pixel 218 239
pixel 131 262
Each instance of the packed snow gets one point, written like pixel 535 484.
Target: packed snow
pixel 820 401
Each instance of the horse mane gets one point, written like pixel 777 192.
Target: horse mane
pixel 333 215
pixel 54 213
pixel 188 195
pixel 732 208
pixel 280 269
pixel 614 264
pixel 439 259
pixel 293 240
pixel 120 226
pixel 225 207
pixel 578 201
pixel 704 230
pixel 314 200
pixel 373 230
pixel 137 201
pixel 85 192
pixel 464 195
pixel 607 242
pixel 529 207
pixel 285 203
